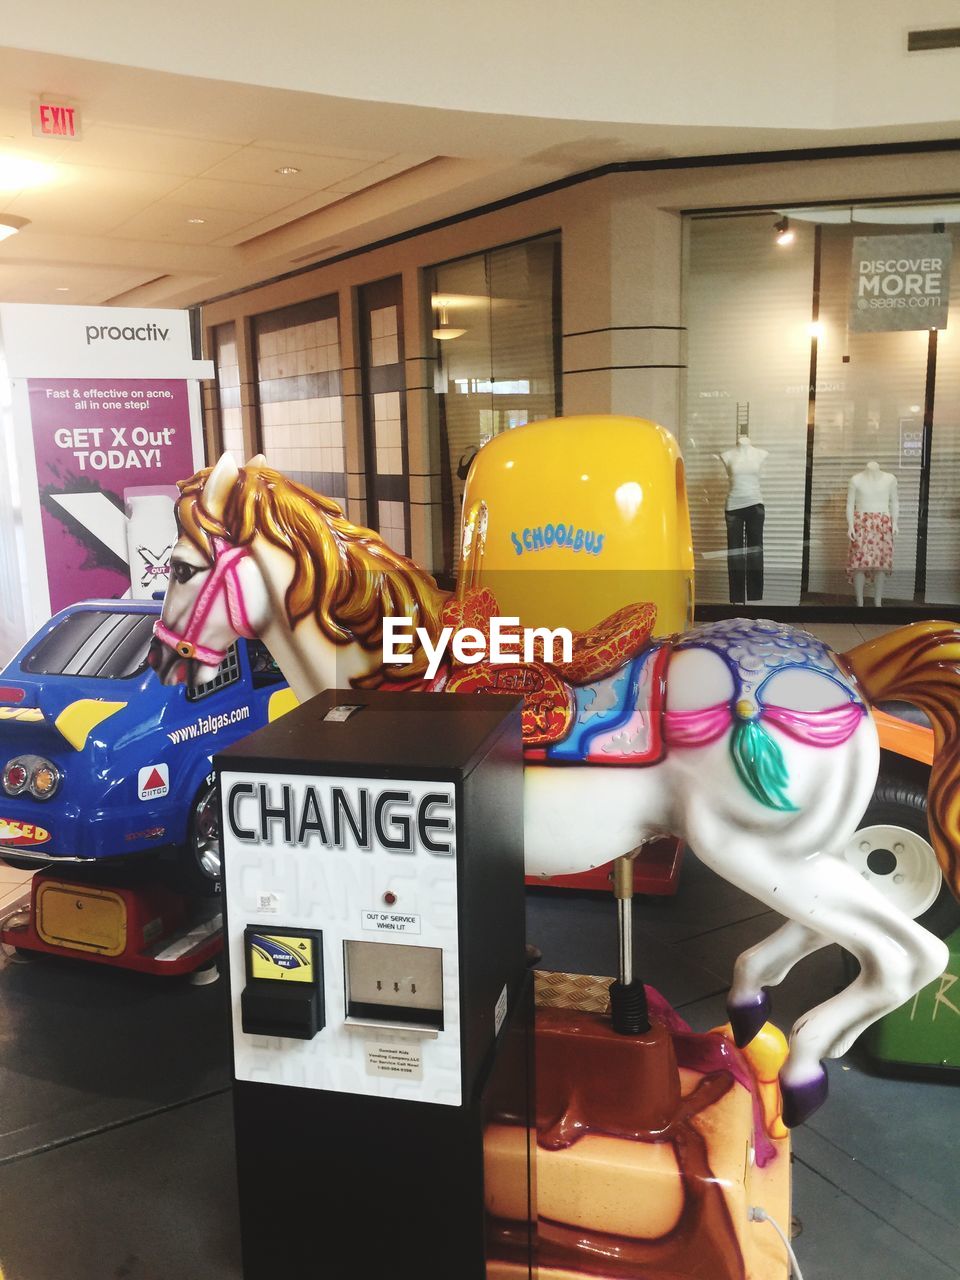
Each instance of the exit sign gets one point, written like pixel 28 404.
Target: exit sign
pixel 55 118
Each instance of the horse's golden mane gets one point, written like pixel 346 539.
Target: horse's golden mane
pixel 345 575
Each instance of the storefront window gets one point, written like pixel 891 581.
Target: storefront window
pixel 821 421
pixel 299 383
pixel 385 410
pixel 495 322
pixel 228 389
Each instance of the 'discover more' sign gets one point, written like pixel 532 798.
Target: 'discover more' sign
pixel 900 282
pixel 109 453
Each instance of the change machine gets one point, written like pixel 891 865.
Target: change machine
pixel 381 1004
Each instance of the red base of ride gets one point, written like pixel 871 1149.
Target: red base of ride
pixel 146 928
pixel 656 870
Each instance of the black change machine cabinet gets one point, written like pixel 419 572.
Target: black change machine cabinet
pixel 381 1003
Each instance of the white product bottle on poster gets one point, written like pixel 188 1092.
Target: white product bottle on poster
pixel 151 535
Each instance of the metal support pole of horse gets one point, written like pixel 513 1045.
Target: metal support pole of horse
pixel 628 998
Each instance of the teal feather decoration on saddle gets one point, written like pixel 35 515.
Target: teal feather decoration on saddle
pixel 760 764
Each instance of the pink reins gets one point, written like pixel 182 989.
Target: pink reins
pixel 224 579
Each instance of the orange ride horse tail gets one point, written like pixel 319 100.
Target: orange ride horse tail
pixel 920 664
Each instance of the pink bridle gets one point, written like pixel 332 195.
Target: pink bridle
pixel 224 580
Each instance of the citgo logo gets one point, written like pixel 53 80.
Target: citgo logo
pixel 153 782
pixel 13 832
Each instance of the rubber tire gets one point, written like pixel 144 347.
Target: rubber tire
pixel 902 802
pixel 185 874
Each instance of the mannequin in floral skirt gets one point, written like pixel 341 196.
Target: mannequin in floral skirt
pixel 873 509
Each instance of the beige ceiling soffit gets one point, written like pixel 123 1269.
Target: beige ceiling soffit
pixel 322 252
pixel 118 299
pixel 432 177
pixel 148 255
pixel 163 291
pixel 369 177
pixel 478 183
pixel 285 217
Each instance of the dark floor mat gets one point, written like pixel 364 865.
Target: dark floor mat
pixel 82 1046
pixel 149 1200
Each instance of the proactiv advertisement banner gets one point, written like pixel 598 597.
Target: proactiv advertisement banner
pixel 108 455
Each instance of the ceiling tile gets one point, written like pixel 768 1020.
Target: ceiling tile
pixel 238 197
pixel 43 282
pixel 169 223
pixel 260 165
pixel 146 149
pixel 320 149
pixel 16 139
pixel 15 158
pixel 89 201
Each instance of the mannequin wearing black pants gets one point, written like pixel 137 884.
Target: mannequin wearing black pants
pixel 745 552
pixel 744 513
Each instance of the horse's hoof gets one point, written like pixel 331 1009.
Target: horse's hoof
pixel 800 1101
pixel 747 1019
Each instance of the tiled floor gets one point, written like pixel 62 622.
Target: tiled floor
pixel 13 885
pixel 116 1139
pixel 877 1170
pixel 116 1132
pixel 844 635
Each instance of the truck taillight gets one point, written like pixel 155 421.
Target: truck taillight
pixel 15 778
pixel 31 773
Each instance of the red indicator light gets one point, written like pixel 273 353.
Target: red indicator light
pixel 10 693
pixel 390 898
pixel 15 777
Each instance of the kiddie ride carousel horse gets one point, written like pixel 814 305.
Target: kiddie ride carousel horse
pixel 750 740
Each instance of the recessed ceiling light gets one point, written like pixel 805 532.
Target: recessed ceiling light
pixel 288 169
pixel 63 288
pixel 10 224
pixel 196 222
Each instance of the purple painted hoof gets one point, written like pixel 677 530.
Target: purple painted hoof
pixel 747 1019
pixel 800 1101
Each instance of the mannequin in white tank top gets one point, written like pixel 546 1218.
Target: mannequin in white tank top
pixel 745 514
pixel 743 465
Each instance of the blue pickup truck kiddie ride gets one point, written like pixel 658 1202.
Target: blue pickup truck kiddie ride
pixel 102 764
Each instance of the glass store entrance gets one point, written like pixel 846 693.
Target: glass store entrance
pixel 823 395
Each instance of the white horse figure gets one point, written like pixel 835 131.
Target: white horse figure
pixel 761 752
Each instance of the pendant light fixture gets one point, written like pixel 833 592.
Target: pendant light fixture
pixel 444 330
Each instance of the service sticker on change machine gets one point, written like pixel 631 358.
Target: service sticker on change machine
pixel 351 984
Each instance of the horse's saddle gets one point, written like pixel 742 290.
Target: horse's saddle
pixel 601 707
